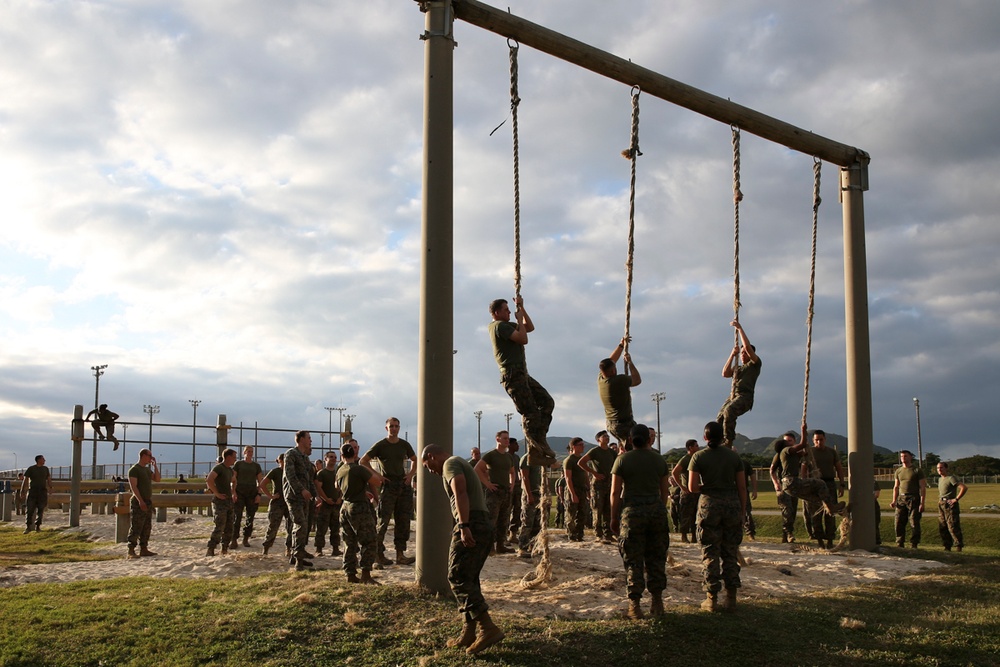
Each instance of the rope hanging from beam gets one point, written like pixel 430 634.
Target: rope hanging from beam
pixel 632 154
pixel 817 168
pixel 515 100
pixel 737 198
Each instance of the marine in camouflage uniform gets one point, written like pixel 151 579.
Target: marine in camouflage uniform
pixel 950 491
pixel 531 400
pixel 576 483
pixel 688 501
pixel 908 494
pixel 219 482
pixel 744 377
pixel 497 473
pixel 396 499
pixel 531 513
pixel 824 527
pixel 35 489
pixel 788 504
pixel 248 475
pixel 357 522
pixel 277 508
pixel 806 489
pixel 330 499
pixel 616 394
pixel 297 486
pixel 717 473
pixel 514 527
pixel 640 488
pixel 140 478
pixel 598 463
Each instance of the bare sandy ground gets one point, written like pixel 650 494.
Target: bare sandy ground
pixel 588 580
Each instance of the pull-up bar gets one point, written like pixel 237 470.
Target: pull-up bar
pixel 657 85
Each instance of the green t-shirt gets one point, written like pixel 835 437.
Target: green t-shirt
pixel 246 475
pixel 948 487
pixel 499 464
pixel 223 479
pixel 352 480
pixel 274 476
pixel 391 457
pixel 508 353
pixel 745 378
pixel 38 478
pixel 534 474
pixel 791 462
pixel 451 469
pixel 144 480
pixel 603 459
pixel 826 461
pixel 718 467
pixel 616 396
pixel 641 471
pixel 909 480
pixel 577 474
pixel 328 482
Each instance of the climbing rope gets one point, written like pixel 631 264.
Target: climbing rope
pixel 515 100
pixel 817 168
pixel 737 198
pixel 632 154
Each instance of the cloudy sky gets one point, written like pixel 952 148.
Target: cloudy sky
pixel 221 201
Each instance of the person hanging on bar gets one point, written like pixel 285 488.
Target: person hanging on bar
pixel 104 417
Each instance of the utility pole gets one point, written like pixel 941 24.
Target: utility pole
pixel 479 428
pixel 341 411
pixel 194 433
pixel 657 397
pixel 507 416
pixel 98 372
pixel 151 410
pixel 920 444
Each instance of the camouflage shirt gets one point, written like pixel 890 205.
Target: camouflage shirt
pixel 299 475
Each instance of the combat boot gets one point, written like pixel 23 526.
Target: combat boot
pixel 352 578
pixel 634 610
pixel 319 551
pixel 264 550
pixel 710 602
pixel 234 544
pixel 366 578
pixel 246 540
pixel 729 603
pixel 403 559
pixel 489 634
pixel 684 538
pixel 131 553
pixel 225 549
pixel 210 552
pixel 501 549
pixel 382 560
pixel 143 551
pixel 656 606
pixel 336 552
pixel 467 638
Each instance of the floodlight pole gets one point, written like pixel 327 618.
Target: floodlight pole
pixel 657 398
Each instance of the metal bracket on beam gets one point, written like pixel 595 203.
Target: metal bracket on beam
pixel 861 169
pixel 448 19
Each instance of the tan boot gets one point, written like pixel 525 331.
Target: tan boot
pixel 656 606
pixel 131 553
pixel 403 559
pixel 729 603
pixel 489 634
pixel 382 560
pixel 225 549
pixel 143 551
pixel 366 578
pixel 634 610
pixel 711 602
pixel 467 638
pixel 210 552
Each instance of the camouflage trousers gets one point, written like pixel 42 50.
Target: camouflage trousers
pixel 600 502
pixel 396 503
pixel 575 519
pixel 34 507
pixel 809 489
pixel 301 513
pixel 789 506
pixel 498 506
pixel 357 529
pixel 749 525
pixel 223 511
pixel 878 523
pixel 675 508
pixel 277 510
pixel 908 511
pixel 730 410
pixel 950 525
pixel 643 544
pixel 514 527
pixel 328 519
pixel 689 511
pixel 821 525
pixel 531 520
pixel 466 563
pixel 621 429
pixel 140 523
pixel 535 406
pixel 246 504
pixel 720 532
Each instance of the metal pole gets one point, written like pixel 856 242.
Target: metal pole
pixel 920 443
pixel 860 448
pixel 657 397
pixel 194 434
pixel 76 435
pixel 124 442
pixel 98 372
pixel 479 428
pixel 436 365
pixel 508 415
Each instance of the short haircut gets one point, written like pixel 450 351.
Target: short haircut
pixel 599 434
pixel 606 364
pixel 576 441
pixel 300 434
pixel 501 432
pixel 391 419
pixel 497 304
pixel 431 450
pixel 942 464
pixel 39 458
pixel 691 443
pixel 819 431
pixel 229 452
pixel 102 406
pixel 906 451
pixel 145 452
